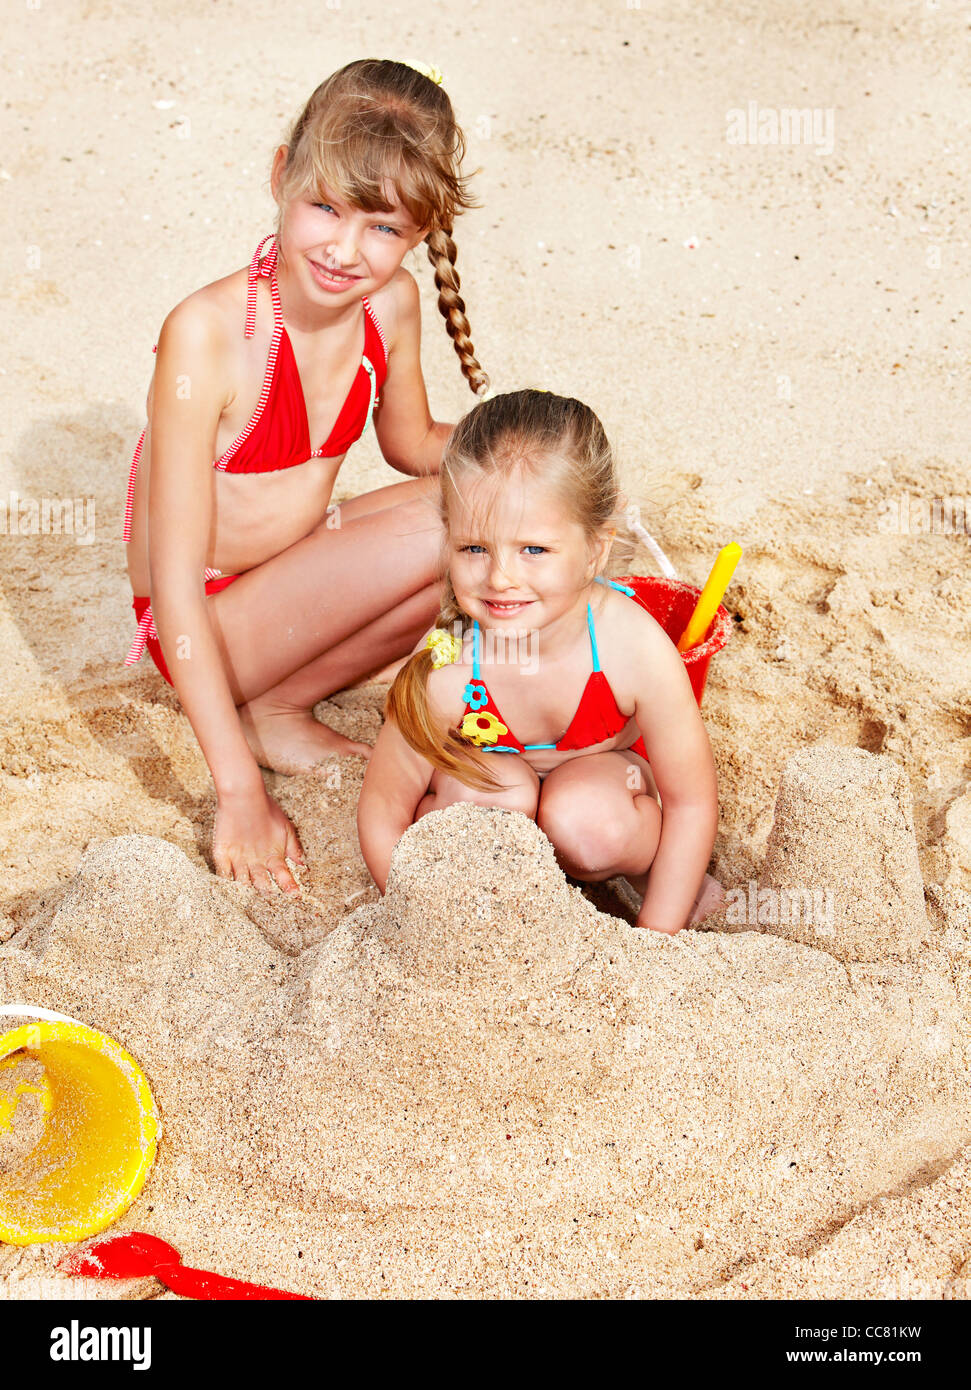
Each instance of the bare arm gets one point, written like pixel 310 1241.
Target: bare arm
pixel 410 439
pixel 252 835
pixel 394 784
pixel 190 392
pixel 684 770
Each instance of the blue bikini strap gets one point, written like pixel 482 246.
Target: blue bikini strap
pixel 621 588
pixel 476 640
pixel 593 639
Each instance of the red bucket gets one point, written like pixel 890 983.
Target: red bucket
pixel 671 603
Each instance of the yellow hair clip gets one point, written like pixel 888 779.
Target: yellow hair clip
pixel 445 648
pixel 432 73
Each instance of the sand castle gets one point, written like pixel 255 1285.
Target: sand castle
pixel 844 827
pixel 483 1086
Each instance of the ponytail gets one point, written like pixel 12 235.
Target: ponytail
pixel 407 706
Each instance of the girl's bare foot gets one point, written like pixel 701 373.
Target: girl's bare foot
pixel 289 740
pixel 711 896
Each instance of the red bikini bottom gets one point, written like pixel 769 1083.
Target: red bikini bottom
pixel 154 646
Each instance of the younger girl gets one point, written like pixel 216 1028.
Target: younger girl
pixel 561 687
pixel 254 597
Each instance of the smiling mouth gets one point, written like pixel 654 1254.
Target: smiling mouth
pixel 495 607
pixel 337 276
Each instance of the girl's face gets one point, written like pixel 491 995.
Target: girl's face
pixel 516 556
pixel 336 251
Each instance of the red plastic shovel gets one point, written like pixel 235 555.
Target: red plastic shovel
pixel 141 1256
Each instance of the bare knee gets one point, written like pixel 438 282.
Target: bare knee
pixel 576 840
pixel 420 516
pixel 518 790
pixel 406 509
pixel 589 839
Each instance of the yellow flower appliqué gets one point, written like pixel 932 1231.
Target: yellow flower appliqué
pixel 482 728
pixel 445 648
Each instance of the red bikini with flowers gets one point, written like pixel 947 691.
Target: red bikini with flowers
pixel 597 718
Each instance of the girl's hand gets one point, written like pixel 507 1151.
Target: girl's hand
pixel 252 839
pixel 710 898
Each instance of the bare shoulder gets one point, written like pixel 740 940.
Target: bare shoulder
pixel 202 339
pixel 206 317
pixel 445 692
pixel 630 640
pixel 397 305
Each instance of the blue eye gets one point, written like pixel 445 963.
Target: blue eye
pixel 473 549
pixel 324 207
pixel 535 549
pixel 383 227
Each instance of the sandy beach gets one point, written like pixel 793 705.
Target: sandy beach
pixel 487 1084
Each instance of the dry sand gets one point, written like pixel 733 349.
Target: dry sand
pixel 773 338
pixel 21 1107
pixel 483 1086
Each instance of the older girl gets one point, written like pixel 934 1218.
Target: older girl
pixel 253 596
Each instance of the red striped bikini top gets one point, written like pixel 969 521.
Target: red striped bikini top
pixel 277 434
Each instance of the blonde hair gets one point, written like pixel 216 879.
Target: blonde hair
pixel 553 439
pixel 376 122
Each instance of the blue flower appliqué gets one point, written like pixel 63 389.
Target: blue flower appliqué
pixel 475 696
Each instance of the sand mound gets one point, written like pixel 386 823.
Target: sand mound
pixel 21 1109
pixel 482 1085
pixel 908 1245
pixel 844 828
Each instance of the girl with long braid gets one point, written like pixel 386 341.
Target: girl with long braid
pixel 254 597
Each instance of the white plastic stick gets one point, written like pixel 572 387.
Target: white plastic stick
pixel 652 547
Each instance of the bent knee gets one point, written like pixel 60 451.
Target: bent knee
pixel 419 516
pixel 518 789
pixel 590 842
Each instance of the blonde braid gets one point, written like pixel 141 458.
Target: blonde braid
pixel 442 254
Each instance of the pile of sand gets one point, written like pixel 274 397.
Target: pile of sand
pixel 482 1085
pixel 21 1109
pixel 844 832
pixel 779 341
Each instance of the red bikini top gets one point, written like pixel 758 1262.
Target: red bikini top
pixel 597 718
pixel 278 434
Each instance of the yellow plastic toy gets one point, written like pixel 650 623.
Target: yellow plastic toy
pixel 78 1128
pixel 711 596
